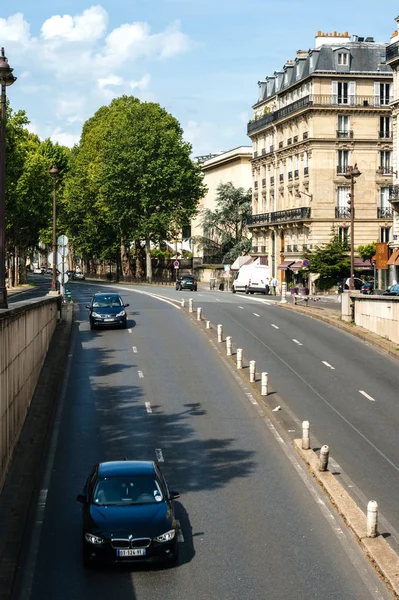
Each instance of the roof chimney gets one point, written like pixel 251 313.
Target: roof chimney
pixel 331 38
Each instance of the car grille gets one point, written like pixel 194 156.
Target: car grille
pixel 133 543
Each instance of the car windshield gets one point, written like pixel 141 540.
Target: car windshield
pixel 121 491
pixel 106 302
pixel 188 278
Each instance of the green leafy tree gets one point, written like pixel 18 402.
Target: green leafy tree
pixel 367 251
pixel 330 261
pixel 225 231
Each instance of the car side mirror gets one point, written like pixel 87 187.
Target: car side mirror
pixel 173 495
pixel 126 305
pixel 81 498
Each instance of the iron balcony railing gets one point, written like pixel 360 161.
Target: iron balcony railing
pixel 392 51
pixel 342 169
pixel 385 171
pixel 394 193
pixel 343 133
pixel 281 216
pixel 384 212
pixel 353 101
pixel 342 212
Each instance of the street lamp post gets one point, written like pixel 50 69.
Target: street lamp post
pixel 6 78
pixel 54 175
pixel 351 174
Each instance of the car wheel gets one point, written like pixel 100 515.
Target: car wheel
pixel 92 327
pixel 233 290
pixel 246 289
pixel 195 289
pixel 87 561
pixel 252 293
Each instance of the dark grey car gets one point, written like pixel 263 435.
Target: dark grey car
pixel 107 310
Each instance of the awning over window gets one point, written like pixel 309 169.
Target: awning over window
pixel 359 263
pixel 394 258
pixel 294 265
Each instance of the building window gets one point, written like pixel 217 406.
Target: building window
pixel 343 161
pixel 385 234
pixel 385 127
pixel 343 235
pixel 343 126
pixel 385 161
pixel 383 93
pixel 343 92
pixel 384 198
pixel 342 59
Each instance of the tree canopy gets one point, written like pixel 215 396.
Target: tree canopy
pixel 330 261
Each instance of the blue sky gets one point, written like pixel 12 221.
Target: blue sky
pixel 201 60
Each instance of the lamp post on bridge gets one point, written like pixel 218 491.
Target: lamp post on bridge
pixel 6 78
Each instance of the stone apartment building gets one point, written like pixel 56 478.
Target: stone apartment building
pixel 392 59
pixel 232 166
pixel 327 109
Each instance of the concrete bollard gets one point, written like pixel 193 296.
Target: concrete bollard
pixel 229 345
pixel 252 370
pixel 372 519
pixel 283 293
pixel 182 302
pixel 190 305
pixel 199 314
pixel 220 333
pixel 239 358
pixel 264 384
pixel 208 325
pixel 324 454
pixel 305 435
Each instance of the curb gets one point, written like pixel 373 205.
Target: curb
pixel 377 549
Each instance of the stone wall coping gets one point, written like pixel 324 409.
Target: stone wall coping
pixel 19 308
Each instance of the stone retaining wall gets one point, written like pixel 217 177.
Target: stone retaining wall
pixel 26 329
pixel 379 314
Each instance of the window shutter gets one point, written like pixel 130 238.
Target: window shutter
pixel 377 101
pixel 352 92
pixel 334 92
pixel 390 92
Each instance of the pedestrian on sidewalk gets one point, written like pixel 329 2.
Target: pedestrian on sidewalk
pixel 274 285
pixel 267 286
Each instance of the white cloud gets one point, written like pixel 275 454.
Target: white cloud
pixel 90 25
pixel 16 31
pixel 64 138
pixel 142 84
pixel 110 80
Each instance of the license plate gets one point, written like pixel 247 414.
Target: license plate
pixel 108 320
pixel 131 552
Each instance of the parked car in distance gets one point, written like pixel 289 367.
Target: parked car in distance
pixel 392 291
pixel 186 282
pixel 38 270
pixel 251 279
pixel 78 276
pixel 344 285
pixel 107 310
pixel 367 288
pixel 128 514
pixel 70 273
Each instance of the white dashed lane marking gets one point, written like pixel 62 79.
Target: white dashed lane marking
pixel 140 374
pixel 256 315
pixel 367 396
pixel 129 330
pixel 180 537
pixel 296 342
pixel 328 365
pixel 275 326
pixel 148 407
pixel 134 348
pixel 159 455
pixel 242 308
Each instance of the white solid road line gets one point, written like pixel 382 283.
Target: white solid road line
pixel 134 348
pixel 159 455
pixel 367 396
pixel 328 365
pixel 275 326
pixel 256 315
pixel 140 374
pixel 148 407
pixel 296 342
pixel 129 330
pixel 242 308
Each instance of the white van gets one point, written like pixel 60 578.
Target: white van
pixel 252 278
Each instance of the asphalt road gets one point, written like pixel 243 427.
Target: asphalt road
pixel 253 524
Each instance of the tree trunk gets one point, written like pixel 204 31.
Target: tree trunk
pixel 16 265
pixel 148 264
pixel 139 259
pixel 125 259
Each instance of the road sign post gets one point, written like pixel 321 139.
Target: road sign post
pixel 176 266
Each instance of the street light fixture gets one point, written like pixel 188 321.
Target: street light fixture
pixel 298 194
pixel 351 174
pixel 54 175
pixel 6 78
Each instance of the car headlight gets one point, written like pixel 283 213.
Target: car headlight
pixel 121 314
pixel 94 314
pixel 94 539
pixel 166 537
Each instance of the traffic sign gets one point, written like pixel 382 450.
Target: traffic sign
pixel 227 267
pixel 305 263
pixel 62 240
pixel 63 250
pixel 59 278
pixel 58 258
pixel 176 264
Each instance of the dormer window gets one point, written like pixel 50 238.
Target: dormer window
pixel 343 59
